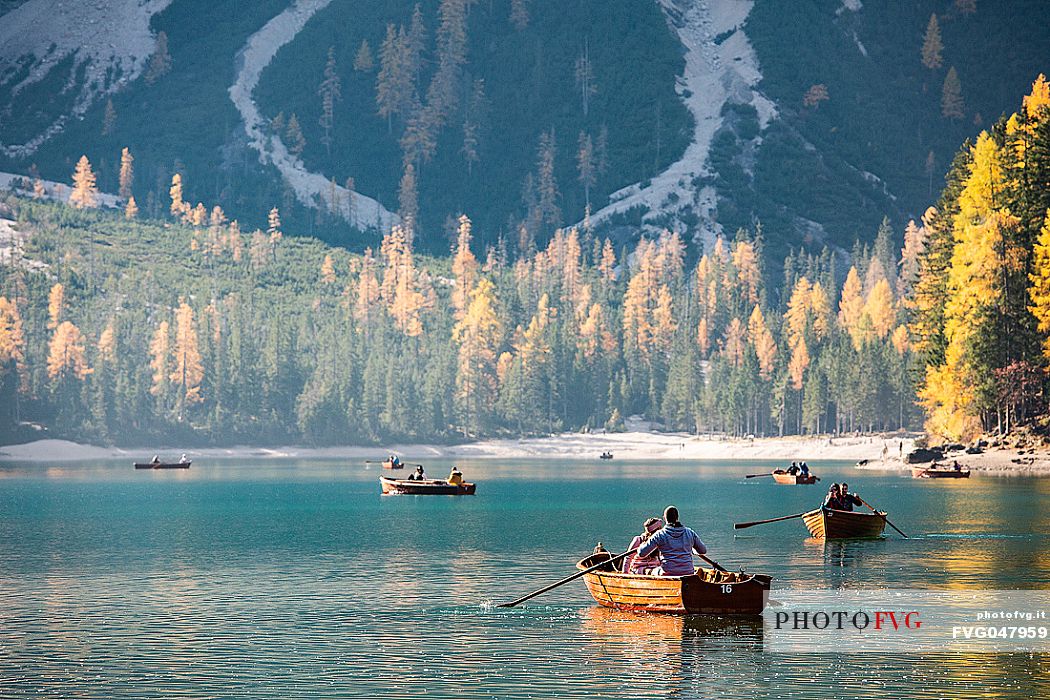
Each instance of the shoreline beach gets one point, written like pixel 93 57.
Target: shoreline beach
pixel 634 445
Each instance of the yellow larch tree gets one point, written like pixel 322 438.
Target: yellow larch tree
pixel 703 337
pixel 901 341
pixel 66 353
pixel 159 350
pixel 570 266
pixel 748 272
pixel 234 241
pixel 798 365
pixel 590 333
pixel 464 269
pixel 273 229
pixel 131 211
pixel 367 296
pixel 328 270
pixel 107 343
pixel 479 334
pixel 734 345
pixel 12 340
pixel 851 307
pixel 1039 291
pixel 880 308
pixel 178 206
pixel 56 304
pixel 981 255
pixel 764 343
pixel 85 192
pixel 187 371
pixel 607 266
pixel 400 289
pixel 127 173
pixel 797 318
pixel 820 310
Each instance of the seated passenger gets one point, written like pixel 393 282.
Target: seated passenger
pixel 632 563
pixel 420 474
pixel 793 469
pixel 833 500
pixel 804 469
pixel 847 500
pixel 155 460
pixel 676 544
pixel 455 477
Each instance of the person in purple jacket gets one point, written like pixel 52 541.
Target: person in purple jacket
pixel 633 564
pixel 676 544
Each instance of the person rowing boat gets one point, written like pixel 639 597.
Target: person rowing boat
pixel 675 543
pixel 846 499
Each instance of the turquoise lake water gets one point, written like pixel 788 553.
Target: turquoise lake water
pixel 297 579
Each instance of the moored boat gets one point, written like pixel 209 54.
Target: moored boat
pixel 782 477
pixel 163 465
pixel 707 592
pixel 939 472
pixel 843 524
pixel 605 455
pixel 426 487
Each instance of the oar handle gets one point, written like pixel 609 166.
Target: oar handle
pixel 883 516
pixel 755 476
pixel 565 580
pixel 712 563
pixel 741 526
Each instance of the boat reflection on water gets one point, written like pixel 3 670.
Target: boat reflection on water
pixel 846 553
pixel 669 655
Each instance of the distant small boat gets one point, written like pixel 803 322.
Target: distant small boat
pixel 605 455
pixel 163 465
pixel 939 472
pixel 389 464
pixel 825 523
pixel 782 477
pixel 427 487
pixel 707 592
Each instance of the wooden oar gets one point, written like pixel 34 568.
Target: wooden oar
pixel 883 516
pixel 565 580
pixel 752 476
pixel 741 526
pixel 712 563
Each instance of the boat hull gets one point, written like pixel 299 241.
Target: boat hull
pixel 430 487
pixel 824 523
pixel 920 473
pixel 708 592
pixel 782 477
pixel 163 465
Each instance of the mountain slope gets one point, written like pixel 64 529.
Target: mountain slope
pixel 700 101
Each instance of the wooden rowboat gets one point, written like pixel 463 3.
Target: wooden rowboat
pixel 390 465
pixel 163 465
pixel 831 524
pixel 782 477
pixel 427 487
pixel 939 472
pixel 707 592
